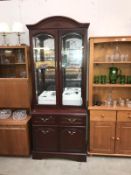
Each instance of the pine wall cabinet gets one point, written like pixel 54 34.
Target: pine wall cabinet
pixel 110 95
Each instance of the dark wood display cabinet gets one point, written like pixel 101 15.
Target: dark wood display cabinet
pixel 59 62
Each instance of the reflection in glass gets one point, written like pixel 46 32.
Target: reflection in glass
pixel 12 63
pixel 44 60
pixel 72 54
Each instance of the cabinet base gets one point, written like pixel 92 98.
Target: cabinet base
pixel 80 157
pixel 109 155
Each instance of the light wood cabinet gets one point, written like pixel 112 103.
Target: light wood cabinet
pixel 123 132
pixel 102 136
pixel 102 131
pixel 14 77
pixel 110 121
pixel 14 94
pixel 110 134
pixel 14 137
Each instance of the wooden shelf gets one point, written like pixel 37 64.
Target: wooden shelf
pixel 13 47
pixel 112 85
pixel 11 121
pixel 112 62
pixel 13 79
pixel 110 108
pixel 13 64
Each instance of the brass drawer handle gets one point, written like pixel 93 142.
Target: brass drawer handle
pixel 72 120
pixel 71 132
pixel 44 119
pixel 45 131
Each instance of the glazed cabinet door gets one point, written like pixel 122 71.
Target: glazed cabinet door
pixel 72 67
pixel 72 139
pixel 102 136
pixel 44 138
pixel 45 65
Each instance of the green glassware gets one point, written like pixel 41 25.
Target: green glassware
pixel 103 79
pixel 96 79
pixel 114 73
pixel 128 79
pixel 122 79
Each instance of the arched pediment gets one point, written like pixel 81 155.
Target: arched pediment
pixel 57 22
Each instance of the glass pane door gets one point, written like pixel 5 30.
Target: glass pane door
pixel 72 56
pixel 44 62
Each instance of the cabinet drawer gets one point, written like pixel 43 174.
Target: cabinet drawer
pixel 124 116
pixel 73 120
pixel 44 119
pixel 101 115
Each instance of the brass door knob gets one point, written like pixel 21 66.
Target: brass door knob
pixel 102 116
pixel 117 138
pixel 113 138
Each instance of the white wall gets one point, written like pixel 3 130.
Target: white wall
pixel 106 17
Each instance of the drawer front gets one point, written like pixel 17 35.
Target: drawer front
pixel 124 116
pixel 44 119
pixel 73 120
pixel 101 115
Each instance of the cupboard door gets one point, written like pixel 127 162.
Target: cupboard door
pixel 102 135
pixel 123 138
pixel 72 67
pixel 14 93
pixel 44 138
pixel 72 140
pixel 14 140
pixel 44 58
